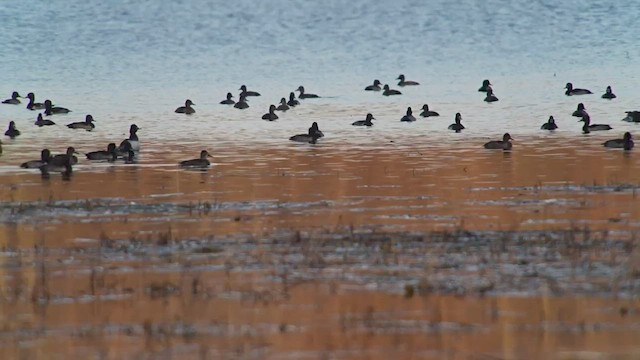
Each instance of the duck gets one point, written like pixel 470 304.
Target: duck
pixel 409 116
pixel 588 127
pixel 12 131
pixel 49 109
pixel 242 103
pixel 404 82
pixel 504 144
pixel 580 111
pixel 283 105
pixel 486 84
pixel 632 116
pixel 374 87
pixel 87 124
pixel 271 115
pixel 228 100
pixel 199 163
pixel 490 97
pixel 311 137
pixel 45 154
pixel 245 92
pixel 571 91
pixel 608 94
pixel 132 143
pixel 33 105
pixel 457 125
pixel 426 112
pixel 14 99
pixel 127 153
pixel 550 124
pixel 63 166
pixel 109 155
pixel 304 95
pixel 292 100
pixel 388 91
pixel 60 159
pixel 186 109
pixel 366 122
pixel 625 143
pixel 43 122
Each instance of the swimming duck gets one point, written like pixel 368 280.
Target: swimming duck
pixel 426 112
pixel 242 103
pixel 312 135
pixel 132 143
pixel 490 97
pixel 374 87
pixel 580 111
pixel 186 109
pixel 49 109
pixel 283 105
pixel 366 122
pixel 457 125
pixel 200 163
pixel 504 144
pixel 571 91
pixel 271 115
pixel 404 82
pixel 608 94
pixel 550 124
pixel 588 127
pixel 486 84
pixel 12 132
pixel 64 166
pixel 42 122
pixel 87 124
pixel 60 159
pixel 625 143
pixel 32 105
pixel 292 100
pixel 409 116
pixel 228 101
pixel 109 155
pixel 14 99
pixel 388 91
pixel 304 95
pixel 45 154
pixel 245 92
pixel 632 116
pixel 126 151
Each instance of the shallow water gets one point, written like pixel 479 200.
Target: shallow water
pixel 400 240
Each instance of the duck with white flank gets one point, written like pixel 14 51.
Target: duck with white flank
pixel 132 143
pixel 33 105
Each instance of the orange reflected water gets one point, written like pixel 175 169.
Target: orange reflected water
pixel 407 250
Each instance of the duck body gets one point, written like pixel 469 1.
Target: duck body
pixel 40 122
pixel 574 91
pixel 242 103
pixel 504 144
pixel 49 109
pixel 283 105
pixel 608 94
pixel 366 122
pixel 246 92
pixel 625 143
pixel 292 100
pixel 45 154
pixel 87 124
pixel 457 125
pixel 186 109
pixel 101 155
pixel 632 116
pixel 228 100
pixel 426 112
pixel 271 115
pixel 131 143
pixel 404 82
pixel 374 87
pixel 12 131
pixel 304 95
pixel 33 105
pixel 490 97
pixel 199 163
pixel 61 159
pixel 408 117
pixel 550 124
pixel 13 100
pixel 486 84
pixel 389 92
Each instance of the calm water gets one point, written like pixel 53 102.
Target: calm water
pixel 401 240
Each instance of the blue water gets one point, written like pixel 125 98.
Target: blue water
pixel 136 61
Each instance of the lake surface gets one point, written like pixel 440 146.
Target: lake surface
pixel 402 240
